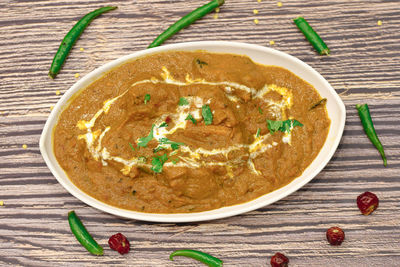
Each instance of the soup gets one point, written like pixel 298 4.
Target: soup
pixel 180 132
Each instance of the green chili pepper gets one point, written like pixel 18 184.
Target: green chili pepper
pixel 312 36
pixel 186 21
pixel 71 37
pixel 365 116
pixel 83 236
pixel 197 255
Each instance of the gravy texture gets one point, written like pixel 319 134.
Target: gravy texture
pixel 180 132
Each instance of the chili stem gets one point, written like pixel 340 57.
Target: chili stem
pixel 366 120
pixel 186 21
pixel 197 255
pixel 71 37
pixel 312 36
pixel 83 236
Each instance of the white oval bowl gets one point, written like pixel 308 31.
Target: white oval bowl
pixel 259 54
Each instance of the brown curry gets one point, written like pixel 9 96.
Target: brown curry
pixel 180 132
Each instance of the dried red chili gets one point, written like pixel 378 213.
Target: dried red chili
pixel 119 243
pixel 367 202
pixel 279 260
pixel 335 236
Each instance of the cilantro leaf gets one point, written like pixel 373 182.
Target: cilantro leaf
pixel 175 161
pixel 166 141
pixel 260 110
pixel 146 98
pixel 190 117
pixel 207 114
pixel 283 126
pixel 164 124
pixel 133 149
pixel 158 163
pixel 258 132
pixel 201 63
pixel 143 141
pixel 183 102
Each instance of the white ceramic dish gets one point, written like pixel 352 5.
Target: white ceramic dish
pixel 259 54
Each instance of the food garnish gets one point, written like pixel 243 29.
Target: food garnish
pixel 158 162
pixel 312 36
pixel 183 102
pixel 367 202
pixel 319 103
pixel 71 37
pixel 143 141
pixel 258 132
pixel 279 260
pixel 190 117
pixel 186 21
pixel 164 124
pixel 335 236
pixel 82 235
pixel 283 126
pixel 119 242
pixel 207 114
pixel 366 120
pixel 166 141
pixel 147 98
pixel 197 255
pixel 260 110
pixel 201 63
pixel 132 147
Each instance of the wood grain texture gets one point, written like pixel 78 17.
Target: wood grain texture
pixel 364 67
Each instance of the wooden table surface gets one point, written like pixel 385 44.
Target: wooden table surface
pixel 364 67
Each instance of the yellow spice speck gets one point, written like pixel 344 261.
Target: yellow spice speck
pixel 58 92
pixel 24 146
pixel 259 1
pixel 271 42
pixel 255 11
pixel 379 22
pixel 51 107
pixel 1 203
pixel 82 49
pixel 77 75
pixel 256 21
pixel 217 9
pixel 215 16
pixel 279 4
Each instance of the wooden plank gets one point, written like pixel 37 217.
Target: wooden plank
pixel 364 67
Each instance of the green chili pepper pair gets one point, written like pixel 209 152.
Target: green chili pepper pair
pixel 73 35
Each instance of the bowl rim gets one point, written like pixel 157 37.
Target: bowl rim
pixel 210 46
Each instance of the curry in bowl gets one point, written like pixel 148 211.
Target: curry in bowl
pixel 181 132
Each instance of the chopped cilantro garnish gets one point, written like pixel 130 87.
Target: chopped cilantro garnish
pixel 258 132
pixel 142 159
pixel 190 117
pixel 143 141
pixel 175 161
pixel 260 110
pixel 207 114
pixel 146 98
pixel 133 149
pixel 201 63
pixel 164 124
pixel 166 141
pixel 158 162
pixel 283 126
pixel 183 102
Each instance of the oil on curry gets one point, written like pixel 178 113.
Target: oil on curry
pixel 182 132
